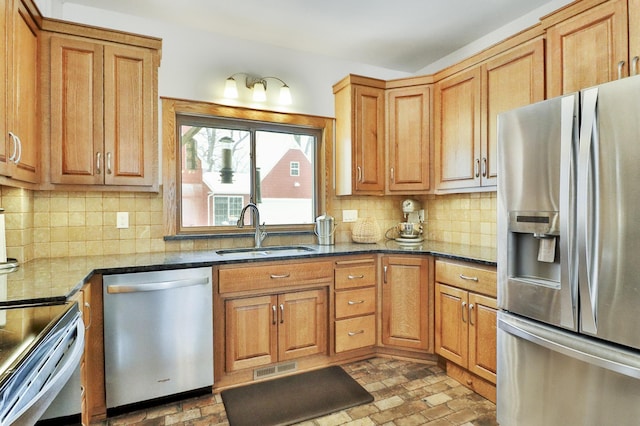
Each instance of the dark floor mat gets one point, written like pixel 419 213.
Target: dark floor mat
pixel 293 399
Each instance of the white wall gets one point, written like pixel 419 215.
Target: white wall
pixel 195 64
pixel 494 37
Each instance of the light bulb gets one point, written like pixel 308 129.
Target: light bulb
pixel 230 89
pixel 285 95
pixel 259 92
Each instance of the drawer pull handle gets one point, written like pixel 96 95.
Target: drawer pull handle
pixel 464 308
pixel 471 314
pixel 356 277
pixel 353 333
pixel 275 314
pixel 355 302
pixel 464 277
pixel 281 313
pixel 275 277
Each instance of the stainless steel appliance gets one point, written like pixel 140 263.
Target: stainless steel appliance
pixel 158 334
pixel 40 349
pixel 325 230
pixel 568 270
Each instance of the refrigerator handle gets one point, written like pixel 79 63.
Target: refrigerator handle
pixel 568 154
pixel 587 212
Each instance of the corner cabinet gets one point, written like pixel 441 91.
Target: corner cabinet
pixel 359 144
pixel 103 109
pixel 465 324
pixel 409 139
pixel 20 149
pixel 406 306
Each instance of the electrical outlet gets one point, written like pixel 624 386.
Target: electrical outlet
pixel 349 215
pixel 122 220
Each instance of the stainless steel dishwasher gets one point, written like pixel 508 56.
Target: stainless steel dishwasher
pixel 158 334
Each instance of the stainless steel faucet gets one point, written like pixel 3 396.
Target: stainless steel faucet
pixel 260 234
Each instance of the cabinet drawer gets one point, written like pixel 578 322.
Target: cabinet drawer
pixel 356 275
pixel 355 333
pixel 355 302
pixel 274 275
pixel 481 279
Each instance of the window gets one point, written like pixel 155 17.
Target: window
pixel 294 168
pixel 224 161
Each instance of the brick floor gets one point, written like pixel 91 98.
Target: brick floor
pixel 406 394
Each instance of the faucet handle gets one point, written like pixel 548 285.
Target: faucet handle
pixel 263 231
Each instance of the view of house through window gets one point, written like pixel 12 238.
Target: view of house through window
pixel 228 163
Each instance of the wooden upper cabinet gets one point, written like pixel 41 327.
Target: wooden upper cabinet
pixel 359 145
pixel 23 110
pixel 129 107
pixel 634 36
pixel 76 118
pixel 409 139
pixel 103 111
pixel 4 89
pixel 457 130
pixel 510 80
pixel 587 49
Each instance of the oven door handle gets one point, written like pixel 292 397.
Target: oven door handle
pixel 32 410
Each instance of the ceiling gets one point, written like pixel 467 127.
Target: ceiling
pixel 402 35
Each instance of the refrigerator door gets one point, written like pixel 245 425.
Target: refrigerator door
pixel 547 376
pixel 537 159
pixel 609 211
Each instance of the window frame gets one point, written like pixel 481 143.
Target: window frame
pixel 172 109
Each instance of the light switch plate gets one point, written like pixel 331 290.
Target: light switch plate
pixel 349 215
pixel 122 220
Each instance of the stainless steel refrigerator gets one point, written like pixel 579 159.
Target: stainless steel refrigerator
pixel 569 259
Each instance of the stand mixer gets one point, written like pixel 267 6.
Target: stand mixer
pixel 410 231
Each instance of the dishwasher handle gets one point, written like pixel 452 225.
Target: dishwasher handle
pixel 156 286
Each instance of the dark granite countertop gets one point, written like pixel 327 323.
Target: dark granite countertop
pixel 55 280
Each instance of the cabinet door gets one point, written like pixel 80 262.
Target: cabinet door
pixel 452 316
pixel 586 49
pixel 4 85
pixel 408 114
pixel 634 36
pixel 457 131
pixel 482 336
pixel 405 302
pixel 302 324
pixel 85 301
pixel 251 332
pixel 512 80
pixel 76 111
pixel 368 140
pixel 24 116
pixel 128 115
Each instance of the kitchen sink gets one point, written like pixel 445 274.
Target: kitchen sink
pixel 264 251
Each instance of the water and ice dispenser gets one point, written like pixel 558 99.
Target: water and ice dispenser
pixel 534 252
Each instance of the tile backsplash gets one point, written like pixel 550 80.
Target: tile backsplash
pixel 42 224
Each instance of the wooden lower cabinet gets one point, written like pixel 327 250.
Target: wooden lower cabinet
pixel 406 302
pixel 263 330
pixel 465 325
